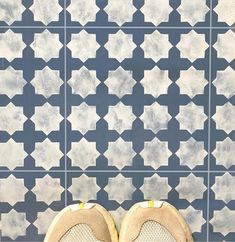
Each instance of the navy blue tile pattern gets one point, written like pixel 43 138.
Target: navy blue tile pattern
pixel 96 95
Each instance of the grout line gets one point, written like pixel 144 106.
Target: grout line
pixel 118 171
pixel 112 27
pixel 65 106
pixel 209 126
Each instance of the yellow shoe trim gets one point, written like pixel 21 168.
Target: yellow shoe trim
pixel 151 203
pixel 81 205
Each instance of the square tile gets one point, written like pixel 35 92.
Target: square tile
pixel 32 99
pixel 223 87
pixel 155 89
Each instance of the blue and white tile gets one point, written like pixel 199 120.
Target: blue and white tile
pixel 83 82
pixel 156 12
pixel 31 209
pixel 222 208
pixel 193 12
pixel 120 153
pixel 11 45
pixel 120 12
pixel 224 45
pixel 120 117
pixel 120 46
pixel 223 73
pixel 83 118
pixel 155 153
pixel 140 186
pixel 32 13
pixel 83 154
pixel 156 46
pixel 12 154
pixel 83 45
pixel 198 44
pixel 12 82
pixel 42 11
pixel 47 82
pixel 223 13
pixel 138 13
pixel 156 82
pixel 47 154
pixel 15 115
pixel 11 11
pixel 32 100
pixel 82 11
pixel 120 82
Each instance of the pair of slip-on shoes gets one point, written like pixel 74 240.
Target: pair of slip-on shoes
pixel 151 221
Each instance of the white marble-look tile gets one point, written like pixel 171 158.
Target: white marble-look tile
pixel 156 11
pixel 12 118
pixel 193 11
pixel 120 153
pixel 83 11
pixel 11 45
pixel 225 152
pixel 192 46
pixel 155 117
pixel 13 224
pixel 46 11
pixel 80 188
pixel 192 82
pixel 185 188
pixel 155 153
pixel 191 117
pixel 225 45
pixel 113 188
pixel 83 82
pixel 47 118
pixel 12 154
pixel 225 10
pixel 120 82
pixel 11 82
pixel 9 186
pixel 223 221
pixel 156 82
pixel 225 82
pixel 120 11
pixel 46 45
pixel 225 117
pixel 47 82
pixel 189 147
pixel 83 118
pixel 53 189
pixel 120 117
pixel 83 45
pixel 156 46
pixel 11 11
pixel 120 46
pixel 47 154
pixel 194 218
pixel 224 187
pixel 155 187
pixel 44 220
pixel 83 153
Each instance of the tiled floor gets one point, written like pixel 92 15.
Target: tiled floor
pixel 116 102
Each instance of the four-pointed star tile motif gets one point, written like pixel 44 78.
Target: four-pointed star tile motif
pixel 116 102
